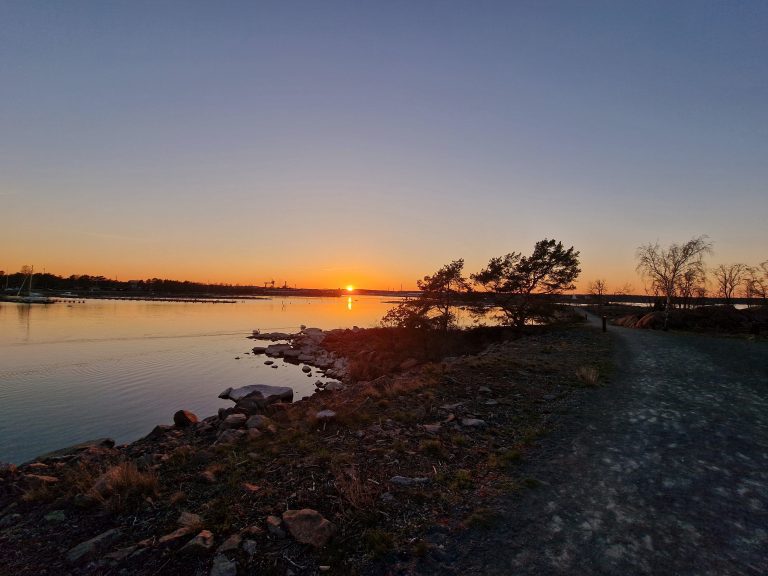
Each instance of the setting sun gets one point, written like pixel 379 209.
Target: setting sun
pixel 350 288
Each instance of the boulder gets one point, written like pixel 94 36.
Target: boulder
pixel 259 349
pixel 309 527
pixel 473 423
pixel 230 437
pixel 230 544
pixel 93 547
pixel 234 421
pixel 292 355
pixel 223 566
pixel 277 350
pixel 306 369
pixel 183 418
pixel 334 386
pixel 257 396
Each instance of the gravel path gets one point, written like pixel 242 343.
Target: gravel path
pixel 665 472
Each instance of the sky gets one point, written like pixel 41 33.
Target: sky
pixel 368 143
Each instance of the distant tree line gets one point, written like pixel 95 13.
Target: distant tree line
pixel 80 283
pixel 677 277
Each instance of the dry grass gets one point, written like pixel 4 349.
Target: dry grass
pixel 588 375
pixel 124 487
pixel 359 493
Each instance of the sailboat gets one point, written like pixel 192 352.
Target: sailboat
pixel 30 297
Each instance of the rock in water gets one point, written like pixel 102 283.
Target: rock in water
pixel 309 527
pixel 257 396
pixel 184 418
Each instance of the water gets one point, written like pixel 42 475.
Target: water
pixel 70 373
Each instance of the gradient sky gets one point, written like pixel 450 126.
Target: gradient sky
pixel 327 143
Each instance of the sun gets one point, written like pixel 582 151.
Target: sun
pixel 350 288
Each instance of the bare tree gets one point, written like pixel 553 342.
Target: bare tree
pixel 756 283
pixel 690 283
pixel 665 266
pixel 728 278
pixel 598 288
pixel 625 290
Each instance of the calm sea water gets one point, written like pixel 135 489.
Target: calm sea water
pixel 70 373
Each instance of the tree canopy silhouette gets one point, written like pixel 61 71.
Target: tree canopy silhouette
pixel 516 283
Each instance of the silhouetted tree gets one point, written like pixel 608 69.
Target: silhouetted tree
pixel 434 308
pixel 598 288
pixel 728 277
pixel 516 282
pixel 689 285
pixel 665 266
pixel 757 281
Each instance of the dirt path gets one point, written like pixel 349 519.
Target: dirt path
pixel 666 472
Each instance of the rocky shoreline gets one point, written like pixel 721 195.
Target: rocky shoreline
pixel 337 481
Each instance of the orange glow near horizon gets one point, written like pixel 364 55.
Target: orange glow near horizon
pixel 350 288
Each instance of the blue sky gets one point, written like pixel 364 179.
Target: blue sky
pixel 371 142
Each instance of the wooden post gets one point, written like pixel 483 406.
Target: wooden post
pixel 605 327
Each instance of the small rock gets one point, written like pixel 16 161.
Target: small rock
pixel 309 527
pixel 306 369
pixel 491 402
pixel 325 415
pixel 234 421
pixel 432 428
pixel 259 349
pixel 407 482
pixel 250 547
pixel 269 362
pixel 223 566
pixel 549 397
pixel 231 543
pixel 200 543
pixel 184 418
pixel 334 386
pixel 55 516
pixel 473 423
pixel 91 548
pixel 274 527
pixel 248 487
pixel 484 390
pixel 387 497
